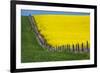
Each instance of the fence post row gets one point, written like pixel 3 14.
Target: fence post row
pixel 71 48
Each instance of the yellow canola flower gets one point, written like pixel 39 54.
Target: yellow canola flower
pixel 60 30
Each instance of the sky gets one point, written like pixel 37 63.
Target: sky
pixel 31 12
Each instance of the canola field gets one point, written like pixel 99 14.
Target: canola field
pixel 61 29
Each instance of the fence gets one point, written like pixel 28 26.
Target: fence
pixel 76 48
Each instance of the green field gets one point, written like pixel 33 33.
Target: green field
pixel 31 51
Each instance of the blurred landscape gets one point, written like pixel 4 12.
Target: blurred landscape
pixel 48 50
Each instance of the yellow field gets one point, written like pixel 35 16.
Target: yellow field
pixel 64 29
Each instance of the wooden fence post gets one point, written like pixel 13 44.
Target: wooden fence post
pixel 73 48
pixel 82 48
pixel 88 46
pixel 78 49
